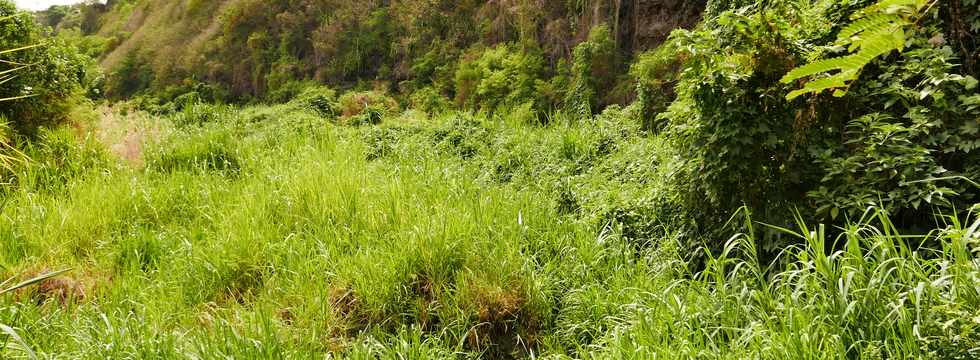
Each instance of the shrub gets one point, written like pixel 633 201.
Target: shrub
pixel 197 113
pixel 462 135
pixel 41 78
pixel 200 149
pixel 913 140
pixel 902 135
pixel 289 91
pixel 731 123
pixel 655 74
pixel 317 98
pixel 366 107
pixel 501 76
pixel 429 100
pixel 130 77
pixel 58 157
pixel 594 70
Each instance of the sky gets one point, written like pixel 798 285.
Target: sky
pixel 42 4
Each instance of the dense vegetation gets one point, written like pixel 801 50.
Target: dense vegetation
pixel 503 179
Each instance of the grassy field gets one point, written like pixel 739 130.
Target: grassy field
pixel 269 232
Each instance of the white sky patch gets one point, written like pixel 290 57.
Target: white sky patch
pixel 42 4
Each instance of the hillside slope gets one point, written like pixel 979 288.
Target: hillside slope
pixel 251 47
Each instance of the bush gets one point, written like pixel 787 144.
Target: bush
pixel 201 149
pixel 902 136
pixel 366 107
pixel 914 147
pixel 196 113
pixel 429 100
pixel 289 91
pixel 731 123
pixel 56 158
pixel 594 70
pixel 132 76
pixel 502 76
pixel 655 74
pixel 317 98
pixel 462 136
pixel 42 92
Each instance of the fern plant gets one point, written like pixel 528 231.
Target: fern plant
pixel 875 31
pixel 7 75
pixel 9 155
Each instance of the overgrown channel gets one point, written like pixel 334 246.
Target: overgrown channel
pixel 409 179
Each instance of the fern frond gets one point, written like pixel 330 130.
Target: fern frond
pixel 877 30
pixel 18 49
pixel 818 67
pixel 879 43
pixel 819 85
pixel 910 7
pixel 871 22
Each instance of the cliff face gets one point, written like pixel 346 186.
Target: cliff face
pixel 238 42
pixel 651 21
pixel 639 25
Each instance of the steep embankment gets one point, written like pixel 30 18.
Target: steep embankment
pixel 253 47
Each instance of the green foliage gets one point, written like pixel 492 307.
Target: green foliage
pixel 55 159
pixel 366 107
pixel 320 99
pixel 655 74
pixel 594 67
pixel 39 79
pixel 289 91
pixel 875 31
pixel 901 137
pixel 193 112
pixel 7 287
pixel 501 76
pixel 251 49
pixel 925 129
pixel 132 76
pixel 429 100
pixel 277 230
pixel 882 161
pixel 463 237
pixel 715 8
pixel 204 149
pixel 736 133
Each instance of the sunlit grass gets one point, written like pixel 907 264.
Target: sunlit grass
pixel 271 233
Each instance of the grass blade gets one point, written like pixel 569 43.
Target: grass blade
pixel 33 281
pixel 20 341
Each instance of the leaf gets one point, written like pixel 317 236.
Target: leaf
pixel 17 97
pixel 20 341
pixel 33 281
pixel 816 86
pixel 970 83
pixel 871 22
pixel 970 128
pixel 814 68
pixel 876 31
pixel 19 49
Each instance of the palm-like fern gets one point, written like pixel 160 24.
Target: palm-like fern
pixel 876 31
pixel 11 73
pixel 9 155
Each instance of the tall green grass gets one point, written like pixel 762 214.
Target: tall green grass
pixel 458 237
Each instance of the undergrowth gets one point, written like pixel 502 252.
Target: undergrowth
pixel 465 235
